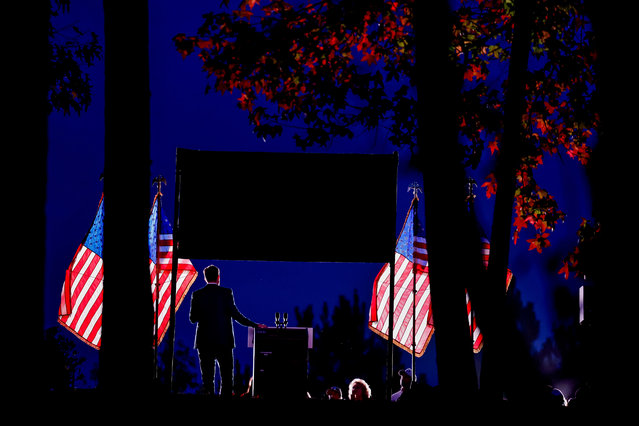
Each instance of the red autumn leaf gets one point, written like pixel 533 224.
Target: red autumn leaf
pixel 249 3
pixel 205 44
pixel 474 72
pixel 539 243
pixel 491 185
pixel 541 224
pixel 520 223
pixel 565 270
pixel 370 57
pixel 494 146
pixel 245 102
pixel 551 109
pixel 542 125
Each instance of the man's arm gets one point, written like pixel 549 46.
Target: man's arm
pixel 240 318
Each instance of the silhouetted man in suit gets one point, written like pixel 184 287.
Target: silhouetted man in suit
pixel 213 309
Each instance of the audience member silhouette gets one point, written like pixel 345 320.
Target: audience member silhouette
pixel 213 309
pixel 358 390
pixel 582 398
pixel 555 397
pixel 334 393
pixel 405 382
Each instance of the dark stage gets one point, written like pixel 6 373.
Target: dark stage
pixel 165 408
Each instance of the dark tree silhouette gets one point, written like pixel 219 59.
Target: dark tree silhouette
pixel 47 70
pixel 613 177
pixel 71 51
pixel 185 367
pixel 343 348
pixel 126 354
pixel 25 172
pixel 452 241
pixel 62 362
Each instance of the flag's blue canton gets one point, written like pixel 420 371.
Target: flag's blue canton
pixel 405 243
pixel 165 227
pixel 94 238
pixel 153 233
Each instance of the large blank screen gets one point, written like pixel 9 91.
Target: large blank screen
pixel 286 206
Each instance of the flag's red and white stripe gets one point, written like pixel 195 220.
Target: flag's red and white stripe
pixel 161 282
pixel 478 337
pixel 403 305
pixel 411 293
pixel 81 299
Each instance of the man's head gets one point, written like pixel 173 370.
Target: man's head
pixel 212 274
pixel 406 377
pixel 334 393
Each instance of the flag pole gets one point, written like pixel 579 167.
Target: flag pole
pixel 159 180
pixel 414 286
pixel 415 188
pixel 391 305
pixel 174 270
pixel 391 314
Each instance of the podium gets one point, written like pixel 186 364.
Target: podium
pixel 280 361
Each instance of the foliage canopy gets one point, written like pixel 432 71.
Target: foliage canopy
pixel 328 67
pixel 70 51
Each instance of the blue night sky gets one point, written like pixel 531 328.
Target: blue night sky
pixel 183 116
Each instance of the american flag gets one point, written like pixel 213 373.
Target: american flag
pixel 411 272
pixel 161 247
pixel 81 300
pixel 411 259
pixel 80 309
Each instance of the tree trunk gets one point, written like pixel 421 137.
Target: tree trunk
pixel 613 177
pixel 126 356
pixel 506 363
pixel 25 181
pixel 450 244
